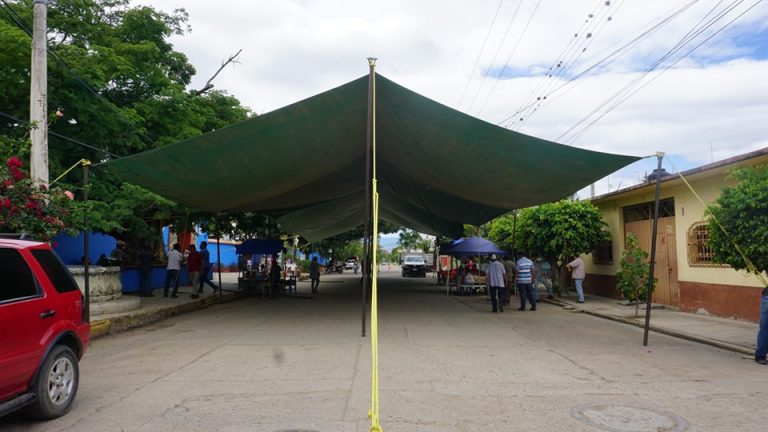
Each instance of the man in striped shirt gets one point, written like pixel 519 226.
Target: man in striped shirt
pixel 525 276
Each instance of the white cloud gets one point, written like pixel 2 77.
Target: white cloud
pixel 295 49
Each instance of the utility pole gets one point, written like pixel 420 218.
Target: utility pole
pixel 38 98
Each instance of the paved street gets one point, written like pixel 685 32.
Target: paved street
pixel 447 364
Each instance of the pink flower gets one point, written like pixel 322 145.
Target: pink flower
pixel 5 203
pixel 69 195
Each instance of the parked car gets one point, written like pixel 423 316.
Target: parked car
pixel 44 330
pixel 350 264
pixel 414 265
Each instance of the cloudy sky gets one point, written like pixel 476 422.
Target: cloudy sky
pixel 687 77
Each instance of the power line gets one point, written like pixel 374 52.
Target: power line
pixel 503 39
pixel 509 59
pixel 628 87
pixel 79 79
pixel 574 56
pixel 604 62
pixel 686 54
pixel 557 63
pixel 64 137
pixel 479 54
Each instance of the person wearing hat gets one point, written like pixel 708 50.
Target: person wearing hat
pixel 496 278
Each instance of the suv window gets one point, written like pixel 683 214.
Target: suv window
pixel 17 281
pixel 58 274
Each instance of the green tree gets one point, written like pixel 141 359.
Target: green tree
pixel 425 245
pixel 743 211
pixel 409 239
pixel 555 231
pixel 118 85
pixel 632 277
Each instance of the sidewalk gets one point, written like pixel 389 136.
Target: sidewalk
pixel 156 308
pixel 729 334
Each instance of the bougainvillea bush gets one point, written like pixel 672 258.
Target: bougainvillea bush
pixel 33 209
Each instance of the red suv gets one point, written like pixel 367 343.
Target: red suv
pixel 43 330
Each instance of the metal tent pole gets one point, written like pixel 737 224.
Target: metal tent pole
pixel 218 258
pixel 654 234
pixel 86 244
pixel 368 204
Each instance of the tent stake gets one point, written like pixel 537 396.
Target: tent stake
pixel 654 234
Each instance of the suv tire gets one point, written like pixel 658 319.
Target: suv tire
pixel 55 385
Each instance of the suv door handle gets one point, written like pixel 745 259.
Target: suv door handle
pixel 47 314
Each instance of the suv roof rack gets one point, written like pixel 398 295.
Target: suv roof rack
pixel 16 236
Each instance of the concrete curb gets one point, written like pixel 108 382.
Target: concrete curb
pixel 669 332
pixel 139 318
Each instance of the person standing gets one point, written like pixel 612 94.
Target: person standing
pixel 577 274
pixel 146 266
pixel 117 256
pixel 194 264
pixel 172 270
pixel 509 267
pixel 762 334
pixel 525 277
pixel 274 277
pixel 314 274
pixel 544 276
pixel 205 269
pixel 497 283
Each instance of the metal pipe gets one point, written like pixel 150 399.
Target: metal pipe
pixel 654 234
pixel 368 199
pixel 218 258
pixel 86 244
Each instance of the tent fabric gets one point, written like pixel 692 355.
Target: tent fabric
pixel 305 164
pixel 472 246
pixel 259 247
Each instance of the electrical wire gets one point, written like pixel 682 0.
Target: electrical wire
pixel 604 62
pixel 558 61
pixel 64 137
pixel 77 77
pixel 509 58
pixel 686 54
pixel 479 54
pixel 501 44
pixel 574 57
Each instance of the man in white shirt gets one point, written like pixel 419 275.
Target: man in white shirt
pixel 577 274
pixel 172 270
pixel 496 277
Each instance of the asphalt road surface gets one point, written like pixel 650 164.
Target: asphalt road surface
pixel 446 364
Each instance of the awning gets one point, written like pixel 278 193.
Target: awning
pixel 437 167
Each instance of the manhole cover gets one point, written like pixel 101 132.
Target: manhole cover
pixel 617 418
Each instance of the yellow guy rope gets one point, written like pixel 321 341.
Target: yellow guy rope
pixel 78 163
pixel 750 265
pixel 373 414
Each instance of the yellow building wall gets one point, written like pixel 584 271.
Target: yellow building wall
pixel 688 211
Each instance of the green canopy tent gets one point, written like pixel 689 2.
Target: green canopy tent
pixel 305 164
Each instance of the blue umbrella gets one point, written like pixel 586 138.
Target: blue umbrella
pixel 472 246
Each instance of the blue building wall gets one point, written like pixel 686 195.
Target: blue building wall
pixel 131 284
pixel 228 254
pixel 71 250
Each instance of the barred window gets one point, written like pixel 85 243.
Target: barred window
pixel 603 253
pixel 700 254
